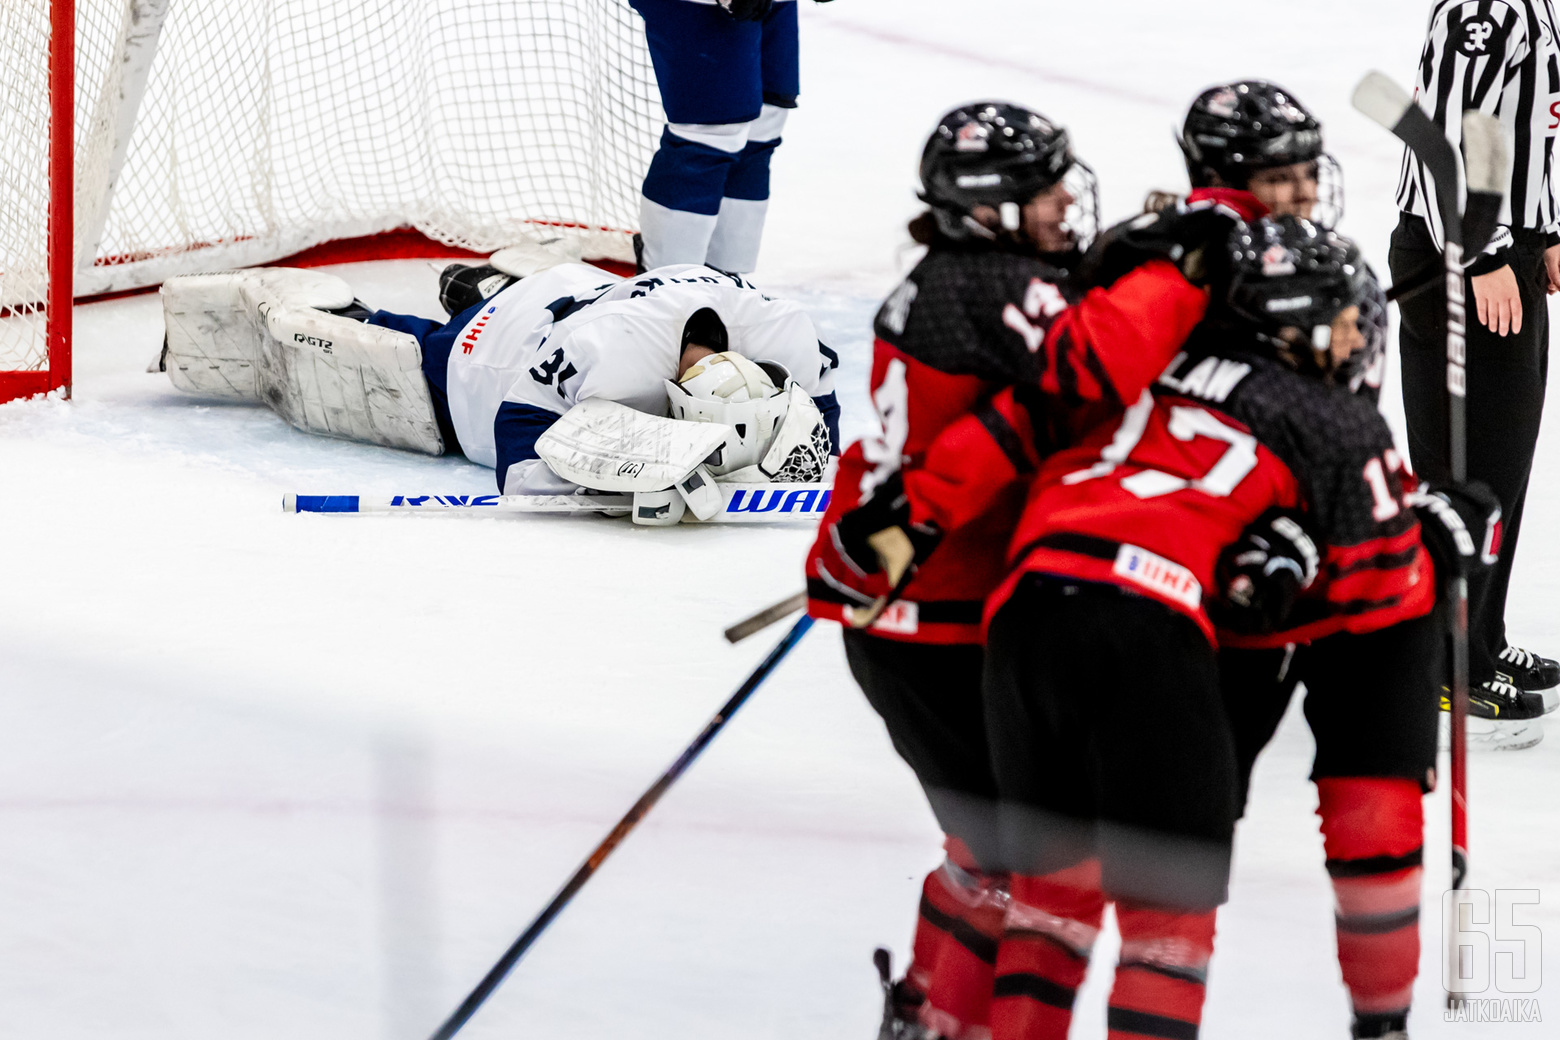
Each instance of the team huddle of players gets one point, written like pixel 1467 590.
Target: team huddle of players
pixel 1126 495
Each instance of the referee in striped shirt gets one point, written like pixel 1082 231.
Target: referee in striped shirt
pixel 1498 56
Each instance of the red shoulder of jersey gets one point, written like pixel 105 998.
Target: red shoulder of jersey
pixel 1151 502
pixel 961 328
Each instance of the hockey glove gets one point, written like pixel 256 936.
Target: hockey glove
pixel 878 535
pixel 1194 238
pixel 1460 525
pixel 1260 575
pixel 746 10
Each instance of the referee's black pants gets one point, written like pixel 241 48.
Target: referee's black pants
pixel 1506 377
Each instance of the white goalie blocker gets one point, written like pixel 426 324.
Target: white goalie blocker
pixel 606 446
pixel 266 335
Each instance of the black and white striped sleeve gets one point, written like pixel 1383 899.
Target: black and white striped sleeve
pixel 1497 56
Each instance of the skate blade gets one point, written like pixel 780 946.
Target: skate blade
pixel 1490 735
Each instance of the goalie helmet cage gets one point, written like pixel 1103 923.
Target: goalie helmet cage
pixel 151 138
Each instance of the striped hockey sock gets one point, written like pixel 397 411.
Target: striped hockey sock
pixel 1161 978
pixel 1373 830
pixel 956 946
pixel 1052 922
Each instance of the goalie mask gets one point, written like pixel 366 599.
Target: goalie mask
pixel 777 433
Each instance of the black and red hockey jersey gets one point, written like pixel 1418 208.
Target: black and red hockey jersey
pixel 1150 501
pixel 962 327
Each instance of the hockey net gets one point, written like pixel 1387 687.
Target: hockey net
pixel 212 134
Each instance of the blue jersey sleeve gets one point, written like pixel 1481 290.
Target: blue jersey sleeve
pixel 515 430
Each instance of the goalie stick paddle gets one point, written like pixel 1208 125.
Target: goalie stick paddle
pixel 1467 228
pixel 490 982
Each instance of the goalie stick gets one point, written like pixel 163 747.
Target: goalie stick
pixel 1467 228
pixel 468 1007
pixel 740 503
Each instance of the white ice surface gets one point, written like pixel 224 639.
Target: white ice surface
pixel 301 776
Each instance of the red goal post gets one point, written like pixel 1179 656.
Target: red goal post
pixel 163 137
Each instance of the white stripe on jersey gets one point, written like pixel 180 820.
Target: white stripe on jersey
pixel 1500 57
pixel 619 341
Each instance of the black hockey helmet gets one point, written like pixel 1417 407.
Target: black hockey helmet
pixel 1235 129
pixel 1001 155
pixel 1365 369
pixel 1289 279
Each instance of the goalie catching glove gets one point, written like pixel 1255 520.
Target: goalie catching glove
pixel 1261 574
pixel 776 431
pixel 1460 525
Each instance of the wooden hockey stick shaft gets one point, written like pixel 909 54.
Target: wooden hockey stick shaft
pixel 490 982
pixel 766 617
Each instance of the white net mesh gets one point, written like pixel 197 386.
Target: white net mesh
pixel 268 126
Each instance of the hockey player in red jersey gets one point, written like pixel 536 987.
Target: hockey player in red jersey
pixel 1256 138
pixel 1366 695
pixel 990 306
pixel 1118 563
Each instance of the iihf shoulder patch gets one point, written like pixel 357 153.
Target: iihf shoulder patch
pixel 1484 34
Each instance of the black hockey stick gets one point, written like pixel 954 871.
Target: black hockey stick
pixel 490 982
pixel 1467 229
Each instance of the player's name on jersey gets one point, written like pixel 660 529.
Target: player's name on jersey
pixel 743 503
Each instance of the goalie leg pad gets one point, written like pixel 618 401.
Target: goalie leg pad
pixel 611 447
pixel 215 338
pixel 260 335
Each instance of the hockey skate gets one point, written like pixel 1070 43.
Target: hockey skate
pixel 1395 1034
pixel 1532 673
pixel 1501 716
pixel 463 286
pixel 901 1004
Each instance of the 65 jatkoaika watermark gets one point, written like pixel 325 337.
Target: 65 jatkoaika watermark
pixel 1495 955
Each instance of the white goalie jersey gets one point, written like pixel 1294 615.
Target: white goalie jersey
pixel 574 333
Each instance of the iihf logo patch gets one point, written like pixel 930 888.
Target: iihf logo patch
pixel 971 138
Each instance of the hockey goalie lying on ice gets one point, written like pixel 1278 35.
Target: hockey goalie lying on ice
pixel 558 375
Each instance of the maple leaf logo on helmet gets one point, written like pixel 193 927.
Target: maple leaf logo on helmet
pixel 1225 103
pixel 972 138
pixel 1277 261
